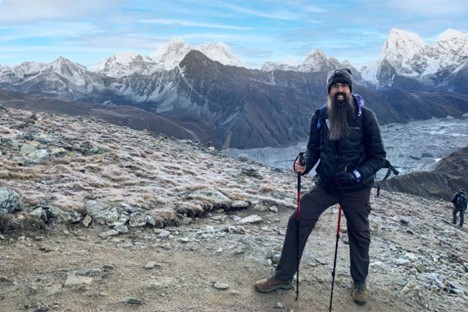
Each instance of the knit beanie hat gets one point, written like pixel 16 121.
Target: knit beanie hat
pixel 340 75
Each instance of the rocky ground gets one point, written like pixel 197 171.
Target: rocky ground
pixel 95 217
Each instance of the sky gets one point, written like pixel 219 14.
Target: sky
pixel 88 31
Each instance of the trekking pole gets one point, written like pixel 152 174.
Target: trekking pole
pixel 336 250
pixel 300 157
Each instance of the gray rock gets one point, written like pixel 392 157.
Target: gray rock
pixel 39 213
pixel 134 301
pixel 71 216
pixel 103 212
pixel 212 195
pixel 164 234
pixel 121 228
pixel 137 219
pixel 108 233
pixel 240 204
pixel 77 281
pixel 151 265
pixel 221 286
pixel 9 201
pixel 455 288
pixel 251 219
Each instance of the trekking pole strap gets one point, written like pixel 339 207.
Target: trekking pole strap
pixel 391 169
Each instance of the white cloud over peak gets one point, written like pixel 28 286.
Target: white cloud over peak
pixel 430 7
pixel 187 23
pixel 18 11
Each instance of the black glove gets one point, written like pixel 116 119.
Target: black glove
pixel 345 179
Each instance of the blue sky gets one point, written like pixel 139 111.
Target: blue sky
pixel 87 31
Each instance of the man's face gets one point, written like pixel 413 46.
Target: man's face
pixel 340 110
pixel 339 91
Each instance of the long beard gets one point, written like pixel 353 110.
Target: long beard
pixel 339 113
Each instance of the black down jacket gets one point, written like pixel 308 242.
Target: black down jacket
pixel 362 150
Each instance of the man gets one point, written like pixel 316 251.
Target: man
pixel 345 137
pixel 459 205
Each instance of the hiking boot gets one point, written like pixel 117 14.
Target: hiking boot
pixel 359 292
pixel 270 284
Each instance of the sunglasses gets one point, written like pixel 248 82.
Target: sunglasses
pixel 340 85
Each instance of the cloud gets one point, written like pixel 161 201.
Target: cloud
pixel 277 15
pixel 20 11
pixel 185 23
pixel 430 7
pixel 48 29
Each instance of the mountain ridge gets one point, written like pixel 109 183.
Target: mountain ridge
pixel 233 106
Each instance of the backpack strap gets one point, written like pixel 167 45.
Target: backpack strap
pixel 391 169
pixel 321 118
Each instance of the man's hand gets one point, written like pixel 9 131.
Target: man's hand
pixel 298 168
pixel 345 179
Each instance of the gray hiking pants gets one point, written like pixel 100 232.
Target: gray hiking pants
pixel 356 208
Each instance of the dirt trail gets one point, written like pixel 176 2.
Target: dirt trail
pixel 180 276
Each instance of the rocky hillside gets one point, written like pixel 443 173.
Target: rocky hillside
pixel 449 176
pixel 97 217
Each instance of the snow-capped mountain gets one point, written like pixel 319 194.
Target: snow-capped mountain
pixel 288 64
pixel 219 52
pixel 125 64
pixel 453 46
pixel 28 71
pixel 234 106
pixel 60 77
pixel 170 54
pixel 167 57
pixel 316 61
pixel 65 68
pixel 406 54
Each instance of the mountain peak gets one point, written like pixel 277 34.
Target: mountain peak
pixel 452 39
pixel 61 60
pixel 170 54
pixel 451 34
pixel 318 61
pixel 174 45
pixel 407 54
pixel 219 52
pixel 403 41
pixel 124 64
pixel 62 64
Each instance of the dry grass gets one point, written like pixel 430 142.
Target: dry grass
pixel 266 188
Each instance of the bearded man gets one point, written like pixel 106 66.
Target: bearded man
pixel 345 137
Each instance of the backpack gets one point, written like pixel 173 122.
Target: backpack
pixel 360 103
pixel 460 201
